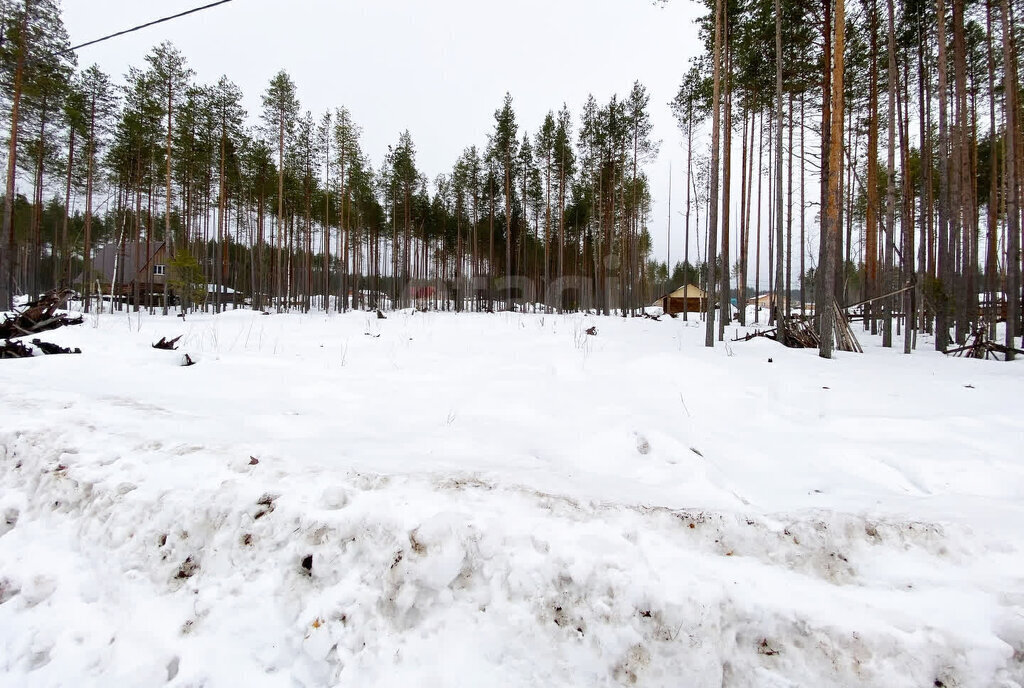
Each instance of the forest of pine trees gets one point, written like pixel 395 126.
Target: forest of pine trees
pixel 904 115
pixel 286 207
pixel 872 150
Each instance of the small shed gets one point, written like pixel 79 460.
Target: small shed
pixel 689 299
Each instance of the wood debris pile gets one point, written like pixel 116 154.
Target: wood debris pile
pixel 846 340
pixel 38 316
pixel 981 347
pixel 800 332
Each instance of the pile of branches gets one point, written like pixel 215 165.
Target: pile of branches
pixel 983 348
pixel 800 332
pixel 38 316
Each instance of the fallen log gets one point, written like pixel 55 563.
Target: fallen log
pixel 49 349
pixel 770 334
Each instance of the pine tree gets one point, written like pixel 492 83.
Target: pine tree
pixel 642 149
pixel 100 103
pixel 709 337
pixel 404 183
pixel 505 147
pixel 1013 249
pixel 691 104
pixel 348 154
pixel 33 51
pixel 228 110
pixel 76 121
pixel 280 111
pixel 565 169
pixel 544 143
pixel 135 143
pixel 170 72
pixel 46 87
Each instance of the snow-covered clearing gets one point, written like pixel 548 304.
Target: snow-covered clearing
pixel 503 500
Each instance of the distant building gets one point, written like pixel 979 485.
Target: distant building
pixel 120 267
pixel 768 301
pixel 689 299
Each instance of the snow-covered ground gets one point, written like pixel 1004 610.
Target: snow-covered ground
pixel 503 500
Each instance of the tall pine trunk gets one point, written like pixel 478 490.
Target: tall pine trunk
pixel 871 214
pixel 890 189
pixel 9 266
pixel 835 189
pixel 780 298
pixel 1012 198
pixel 943 257
pixel 709 334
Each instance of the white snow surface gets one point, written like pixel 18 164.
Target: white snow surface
pixel 502 500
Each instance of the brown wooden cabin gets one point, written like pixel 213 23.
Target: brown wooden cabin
pixel 689 299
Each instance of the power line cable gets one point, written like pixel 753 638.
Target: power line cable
pixel 144 26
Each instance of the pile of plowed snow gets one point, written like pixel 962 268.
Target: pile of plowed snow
pixel 503 500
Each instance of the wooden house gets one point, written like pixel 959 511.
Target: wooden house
pixel 120 267
pixel 689 299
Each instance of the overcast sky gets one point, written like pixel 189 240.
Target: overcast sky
pixel 439 68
